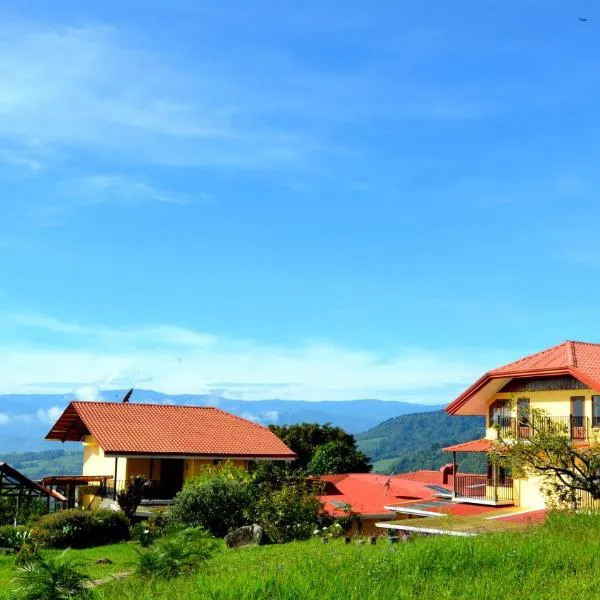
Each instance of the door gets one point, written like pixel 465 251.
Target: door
pixel 577 418
pixel 171 478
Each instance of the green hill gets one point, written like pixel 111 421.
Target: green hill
pixel 413 442
pixel 36 465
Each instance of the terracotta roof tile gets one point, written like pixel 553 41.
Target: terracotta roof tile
pixel 474 446
pixel 159 429
pixel 579 359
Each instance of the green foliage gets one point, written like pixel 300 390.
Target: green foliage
pixel 215 500
pixel 179 554
pixel 413 442
pixel 289 513
pixel 305 438
pixel 82 529
pixel 13 537
pixel 26 511
pixel 337 457
pixel 131 497
pixel 51 578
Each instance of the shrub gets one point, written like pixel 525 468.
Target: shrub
pixel 27 511
pixel 179 554
pixel 131 497
pixel 51 578
pixel 290 513
pixel 13 537
pixel 215 500
pixel 82 529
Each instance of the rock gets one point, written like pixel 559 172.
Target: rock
pixel 249 535
pixel 104 561
pixel 108 504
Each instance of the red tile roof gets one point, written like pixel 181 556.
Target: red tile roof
pixel 159 429
pixel 369 493
pixel 474 446
pixel 579 359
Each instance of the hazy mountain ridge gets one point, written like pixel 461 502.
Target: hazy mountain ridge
pixel 25 419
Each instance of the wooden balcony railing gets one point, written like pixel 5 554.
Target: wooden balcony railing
pixel 577 428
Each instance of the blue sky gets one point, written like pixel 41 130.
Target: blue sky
pixel 293 200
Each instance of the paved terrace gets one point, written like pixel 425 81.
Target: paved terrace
pixel 469 525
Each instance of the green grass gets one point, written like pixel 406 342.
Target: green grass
pixel 558 560
pixel 122 555
pixel 385 465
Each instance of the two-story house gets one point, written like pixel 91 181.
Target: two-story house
pixel 563 380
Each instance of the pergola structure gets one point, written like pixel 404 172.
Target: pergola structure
pixel 15 485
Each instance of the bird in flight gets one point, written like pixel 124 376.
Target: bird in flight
pixel 584 19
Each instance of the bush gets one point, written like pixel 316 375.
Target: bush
pixel 179 554
pixel 290 513
pixel 215 500
pixel 82 529
pixel 26 512
pixel 131 497
pixel 51 578
pixel 13 537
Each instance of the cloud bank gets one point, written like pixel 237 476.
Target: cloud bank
pixel 176 360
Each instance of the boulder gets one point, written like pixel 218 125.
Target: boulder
pixel 108 504
pixel 249 535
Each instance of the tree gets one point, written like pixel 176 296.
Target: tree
pixel 216 500
pixel 548 451
pixel 305 438
pixel 337 457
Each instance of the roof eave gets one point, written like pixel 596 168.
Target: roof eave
pixel 456 405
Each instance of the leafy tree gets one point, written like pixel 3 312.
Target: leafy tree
pixel 305 438
pixel 289 513
pixel 215 500
pixel 337 457
pixel 548 451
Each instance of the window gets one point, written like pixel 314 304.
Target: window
pixel 523 412
pixel 595 411
pixel 500 413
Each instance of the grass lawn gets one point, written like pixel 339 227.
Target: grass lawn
pixel 122 556
pixel 560 559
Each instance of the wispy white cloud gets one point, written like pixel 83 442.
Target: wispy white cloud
pixel 176 360
pixel 98 189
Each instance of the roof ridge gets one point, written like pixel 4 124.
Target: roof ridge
pixel 156 404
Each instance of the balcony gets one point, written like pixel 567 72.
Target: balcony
pixel 481 489
pixel 577 428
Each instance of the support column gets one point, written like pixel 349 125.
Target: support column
pixel 115 479
pixel 495 482
pixel 454 467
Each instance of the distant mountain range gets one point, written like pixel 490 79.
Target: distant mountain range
pixel 26 418
pixel 415 441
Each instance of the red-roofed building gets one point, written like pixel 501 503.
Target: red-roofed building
pixel 366 496
pixel 563 380
pixel 167 443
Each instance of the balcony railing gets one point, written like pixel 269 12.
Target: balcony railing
pixel 577 428
pixel 156 490
pixel 484 489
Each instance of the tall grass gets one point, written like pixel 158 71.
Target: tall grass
pixel 560 559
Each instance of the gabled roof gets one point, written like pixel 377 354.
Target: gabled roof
pixel 132 429
pixel 579 359
pixel 474 446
